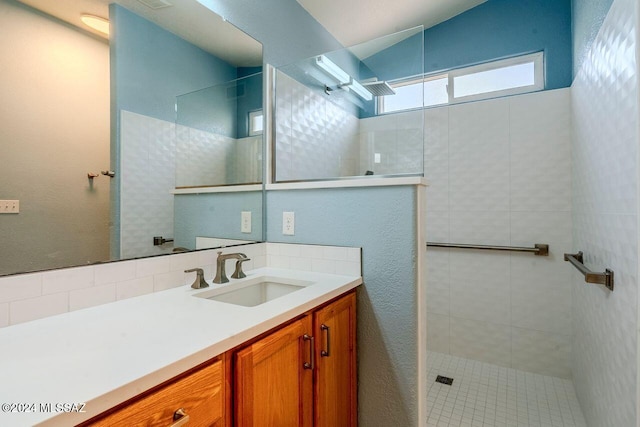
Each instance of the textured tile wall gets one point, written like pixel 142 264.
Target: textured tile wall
pixel 158 156
pixel 34 296
pixel 396 139
pixel 205 158
pixel 314 139
pixel 605 198
pixel 499 172
pixel 147 176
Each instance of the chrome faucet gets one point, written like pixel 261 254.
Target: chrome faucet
pixel 199 282
pixel 221 275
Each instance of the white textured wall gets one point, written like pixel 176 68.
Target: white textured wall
pixel 605 218
pixel 314 139
pixel 500 173
pixel 54 129
pixel 396 139
pixel 157 156
pixel 147 176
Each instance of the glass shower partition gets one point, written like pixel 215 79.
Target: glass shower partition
pixel 330 122
pixel 219 134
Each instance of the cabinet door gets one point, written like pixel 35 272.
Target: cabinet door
pixel 335 381
pixel 274 379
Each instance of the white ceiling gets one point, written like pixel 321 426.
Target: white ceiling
pixel 356 21
pixel 186 18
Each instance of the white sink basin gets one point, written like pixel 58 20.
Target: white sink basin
pixel 256 291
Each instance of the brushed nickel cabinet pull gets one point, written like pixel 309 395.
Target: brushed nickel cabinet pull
pixel 326 353
pixel 180 417
pixel 312 345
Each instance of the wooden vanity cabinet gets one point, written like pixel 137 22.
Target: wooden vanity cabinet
pixel 335 376
pixel 303 374
pixel 195 399
pixel 274 379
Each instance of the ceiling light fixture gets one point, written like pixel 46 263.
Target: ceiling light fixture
pixel 95 22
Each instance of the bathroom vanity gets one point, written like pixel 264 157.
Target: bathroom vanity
pixel 183 355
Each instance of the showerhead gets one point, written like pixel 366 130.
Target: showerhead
pixel 379 88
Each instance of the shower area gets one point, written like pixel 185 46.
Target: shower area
pixel 525 339
pixel 514 337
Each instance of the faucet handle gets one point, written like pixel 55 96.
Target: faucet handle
pixel 238 273
pixel 199 282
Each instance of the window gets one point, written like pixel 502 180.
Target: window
pixel 490 80
pixel 256 122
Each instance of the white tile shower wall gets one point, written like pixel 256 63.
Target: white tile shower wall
pixel 605 217
pixel 148 171
pixel 246 166
pixel 392 144
pixel 314 138
pixel 499 172
pixel 34 296
pixel 205 158
pixel 157 156
pixel 201 157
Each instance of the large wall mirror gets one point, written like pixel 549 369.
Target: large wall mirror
pixel 90 141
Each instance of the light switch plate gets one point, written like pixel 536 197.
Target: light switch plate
pixel 288 223
pixel 245 222
pixel 10 206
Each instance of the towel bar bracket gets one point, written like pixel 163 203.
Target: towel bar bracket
pixel 577 260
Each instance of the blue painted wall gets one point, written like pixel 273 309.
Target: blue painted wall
pixel 382 222
pixel 215 215
pixel 286 30
pixel 587 18
pixel 251 100
pixel 493 30
pixel 153 66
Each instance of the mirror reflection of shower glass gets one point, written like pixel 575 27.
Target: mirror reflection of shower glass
pixel 327 121
pixel 219 134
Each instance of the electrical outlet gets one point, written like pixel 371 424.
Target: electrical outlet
pixel 245 222
pixel 10 206
pixel 288 223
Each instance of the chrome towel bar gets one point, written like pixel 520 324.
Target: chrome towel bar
pixel 605 278
pixel 539 249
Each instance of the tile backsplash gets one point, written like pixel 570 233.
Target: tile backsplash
pixel 33 296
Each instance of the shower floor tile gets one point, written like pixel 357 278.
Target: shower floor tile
pixel 485 395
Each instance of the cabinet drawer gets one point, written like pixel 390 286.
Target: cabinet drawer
pixel 201 396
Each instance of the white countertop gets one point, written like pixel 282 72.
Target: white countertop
pixel 104 355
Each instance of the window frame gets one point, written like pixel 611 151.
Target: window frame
pixel 252 115
pixel 536 58
pixel 538 79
